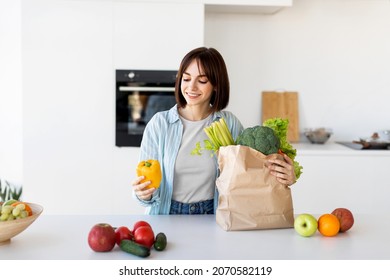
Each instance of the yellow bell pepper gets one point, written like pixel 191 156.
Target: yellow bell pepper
pixel 152 171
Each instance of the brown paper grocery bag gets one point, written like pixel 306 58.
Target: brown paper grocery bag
pixel 249 196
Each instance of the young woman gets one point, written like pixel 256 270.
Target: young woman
pixel 188 183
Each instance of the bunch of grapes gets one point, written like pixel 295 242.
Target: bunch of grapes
pixel 10 212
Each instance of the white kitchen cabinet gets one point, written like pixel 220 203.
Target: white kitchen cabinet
pixel 155 35
pixel 246 6
pixel 68 89
pixel 11 120
pixel 229 6
pixel 336 176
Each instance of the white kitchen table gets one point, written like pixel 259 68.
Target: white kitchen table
pixel 53 237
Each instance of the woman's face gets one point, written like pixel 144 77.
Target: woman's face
pixel 195 87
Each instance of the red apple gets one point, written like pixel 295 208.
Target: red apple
pixel 101 237
pixel 345 217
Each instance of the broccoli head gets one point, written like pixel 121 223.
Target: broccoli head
pixel 260 138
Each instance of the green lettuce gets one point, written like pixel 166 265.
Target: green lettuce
pixel 280 127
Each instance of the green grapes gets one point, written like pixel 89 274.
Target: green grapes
pixel 9 212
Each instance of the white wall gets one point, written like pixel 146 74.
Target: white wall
pixel 334 53
pixel 11 152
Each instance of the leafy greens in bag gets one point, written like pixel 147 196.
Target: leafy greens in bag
pixel 269 138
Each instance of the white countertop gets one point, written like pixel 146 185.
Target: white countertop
pixel 333 148
pixel 199 238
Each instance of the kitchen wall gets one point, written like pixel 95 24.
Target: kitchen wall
pixel 11 152
pixel 334 53
pixel 62 55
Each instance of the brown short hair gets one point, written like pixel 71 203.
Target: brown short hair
pixel 215 69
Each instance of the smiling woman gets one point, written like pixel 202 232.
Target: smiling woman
pixel 188 183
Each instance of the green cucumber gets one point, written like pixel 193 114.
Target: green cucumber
pixel 129 246
pixel 160 242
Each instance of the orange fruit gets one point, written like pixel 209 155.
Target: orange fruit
pixel 328 225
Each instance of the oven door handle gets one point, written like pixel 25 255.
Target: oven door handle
pixel 143 89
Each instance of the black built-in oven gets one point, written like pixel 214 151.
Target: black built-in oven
pixel 139 95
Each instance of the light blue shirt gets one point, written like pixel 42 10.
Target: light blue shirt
pixel 161 140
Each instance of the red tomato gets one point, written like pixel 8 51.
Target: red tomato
pixel 123 233
pixel 140 224
pixel 144 235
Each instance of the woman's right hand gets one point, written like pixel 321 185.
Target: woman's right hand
pixel 141 190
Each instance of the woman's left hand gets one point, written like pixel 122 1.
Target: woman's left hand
pixel 283 170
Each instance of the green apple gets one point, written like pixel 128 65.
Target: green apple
pixel 305 224
pixel 10 201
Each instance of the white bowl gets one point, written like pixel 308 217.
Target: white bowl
pixel 9 229
pixel 318 135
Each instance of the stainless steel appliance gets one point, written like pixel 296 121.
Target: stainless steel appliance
pixel 139 95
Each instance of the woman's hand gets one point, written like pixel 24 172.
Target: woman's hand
pixel 141 190
pixel 283 170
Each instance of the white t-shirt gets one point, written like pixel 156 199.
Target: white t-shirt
pixel 194 175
